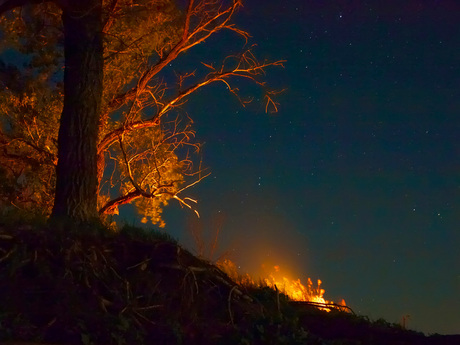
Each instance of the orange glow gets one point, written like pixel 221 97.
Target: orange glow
pixel 293 288
pixel 296 290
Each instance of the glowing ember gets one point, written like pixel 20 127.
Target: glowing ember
pixel 291 287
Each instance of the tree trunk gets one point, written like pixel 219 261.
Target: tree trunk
pixel 76 172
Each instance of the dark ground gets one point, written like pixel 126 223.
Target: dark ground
pixel 64 285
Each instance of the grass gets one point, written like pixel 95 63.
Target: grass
pixel 90 285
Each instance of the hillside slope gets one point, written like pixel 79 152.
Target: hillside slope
pixel 89 285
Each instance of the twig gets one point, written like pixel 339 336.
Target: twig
pixel 7 255
pixel 278 300
pixel 139 264
pixel 230 304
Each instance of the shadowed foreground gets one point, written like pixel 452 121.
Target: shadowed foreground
pixel 93 286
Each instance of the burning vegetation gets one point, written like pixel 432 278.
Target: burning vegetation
pixel 92 286
pixel 293 288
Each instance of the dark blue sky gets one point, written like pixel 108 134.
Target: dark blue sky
pixel 356 180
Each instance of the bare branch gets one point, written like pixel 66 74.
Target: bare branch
pixel 184 200
pixel 112 206
pixel 190 38
pixel 108 22
pixel 137 191
pixel 242 70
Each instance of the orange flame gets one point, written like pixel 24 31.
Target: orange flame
pixel 293 288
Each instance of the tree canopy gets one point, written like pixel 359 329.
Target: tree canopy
pixel 145 149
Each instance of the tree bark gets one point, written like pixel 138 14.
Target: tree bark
pixel 76 172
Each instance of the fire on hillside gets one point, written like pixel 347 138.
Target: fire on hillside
pixel 293 288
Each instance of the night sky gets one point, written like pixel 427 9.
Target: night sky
pixel 356 180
